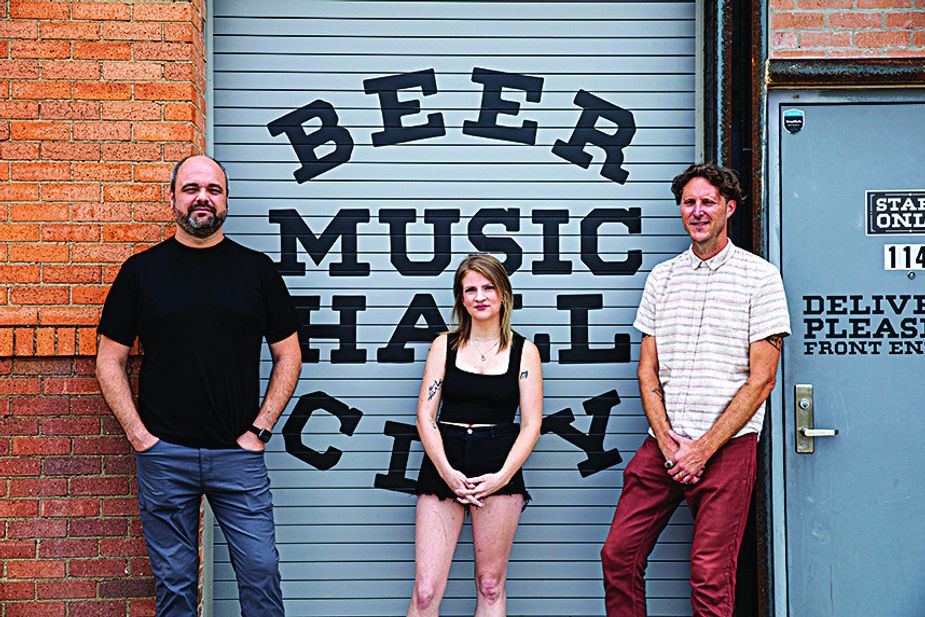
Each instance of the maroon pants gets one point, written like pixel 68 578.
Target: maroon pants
pixel 719 504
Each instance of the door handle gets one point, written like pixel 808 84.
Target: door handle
pixel 819 432
pixel 803 414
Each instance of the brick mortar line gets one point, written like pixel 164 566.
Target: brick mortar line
pixel 910 30
pixel 853 45
pixel 853 11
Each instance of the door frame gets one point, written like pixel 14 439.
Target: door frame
pixel 777 540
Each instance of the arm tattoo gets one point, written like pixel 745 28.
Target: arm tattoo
pixel 523 375
pixel 777 340
pixel 434 387
pixel 657 391
pixel 433 424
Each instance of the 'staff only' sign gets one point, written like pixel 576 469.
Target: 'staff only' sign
pixel 895 213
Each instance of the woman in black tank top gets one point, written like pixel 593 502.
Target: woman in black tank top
pixel 481 372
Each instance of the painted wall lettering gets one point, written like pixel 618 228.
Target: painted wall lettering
pixel 587 132
pixel 397 477
pixel 403 435
pixel 592 442
pixel 294 232
pixel 292 431
pixel 393 109
pixel 347 244
pixel 394 131
pixel 492 105
pixel 423 308
pixel 440 220
pixel 344 332
pixel 590 255
pixel 305 144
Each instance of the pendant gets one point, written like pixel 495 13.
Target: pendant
pixel 483 358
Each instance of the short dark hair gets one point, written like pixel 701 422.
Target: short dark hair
pixel 724 179
pixel 176 168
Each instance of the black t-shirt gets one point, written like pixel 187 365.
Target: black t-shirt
pixel 201 316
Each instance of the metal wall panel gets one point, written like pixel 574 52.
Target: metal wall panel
pixel 398 217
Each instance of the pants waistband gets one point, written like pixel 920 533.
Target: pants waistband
pixel 495 430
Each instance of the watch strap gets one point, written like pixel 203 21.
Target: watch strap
pixel 261 433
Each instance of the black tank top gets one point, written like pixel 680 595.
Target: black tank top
pixel 470 398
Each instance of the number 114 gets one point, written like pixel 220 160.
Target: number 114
pixel 904 257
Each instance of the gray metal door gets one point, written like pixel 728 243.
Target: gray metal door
pixel 852 218
pixel 370 147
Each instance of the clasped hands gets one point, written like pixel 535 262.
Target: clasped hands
pixel 685 459
pixel 471 491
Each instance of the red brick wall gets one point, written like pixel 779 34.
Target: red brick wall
pixel 97 100
pixel 847 28
pixel 70 540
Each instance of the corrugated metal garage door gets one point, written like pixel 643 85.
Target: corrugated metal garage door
pixel 546 133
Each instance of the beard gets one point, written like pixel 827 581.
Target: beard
pixel 200 227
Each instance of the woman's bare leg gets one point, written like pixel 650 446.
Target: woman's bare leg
pixel 493 529
pixel 437 526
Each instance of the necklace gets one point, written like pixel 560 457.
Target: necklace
pixel 482 353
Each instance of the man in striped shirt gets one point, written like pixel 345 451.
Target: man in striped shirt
pixel 713 320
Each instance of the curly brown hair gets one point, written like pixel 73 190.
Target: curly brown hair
pixel 724 179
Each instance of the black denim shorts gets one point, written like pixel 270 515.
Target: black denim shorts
pixel 473 451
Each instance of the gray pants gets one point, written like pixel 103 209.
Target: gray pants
pixel 171 482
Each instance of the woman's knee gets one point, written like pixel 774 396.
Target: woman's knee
pixel 425 595
pixel 490 586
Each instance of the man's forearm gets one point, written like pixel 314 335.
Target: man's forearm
pixel 653 396
pixel 650 387
pixel 117 392
pixel 764 356
pixel 740 410
pixel 283 380
pixel 653 403
pixel 693 454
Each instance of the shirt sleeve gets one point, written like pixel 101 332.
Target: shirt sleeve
pixel 119 320
pixel 769 314
pixel 645 314
pixel 282 320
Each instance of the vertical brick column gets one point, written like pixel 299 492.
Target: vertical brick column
pixel 847 28
pixel 97 100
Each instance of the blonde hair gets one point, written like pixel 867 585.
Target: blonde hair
pixel 493 270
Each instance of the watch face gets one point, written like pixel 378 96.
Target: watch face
pixel 261 433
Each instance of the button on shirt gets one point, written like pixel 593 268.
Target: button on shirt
pixel 704 314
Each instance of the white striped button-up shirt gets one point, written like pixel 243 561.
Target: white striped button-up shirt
pixel 704 315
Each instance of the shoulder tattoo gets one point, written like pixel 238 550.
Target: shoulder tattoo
pixel 777 340
pixel 433 389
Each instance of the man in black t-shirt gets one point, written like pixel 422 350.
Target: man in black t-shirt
pixel 201 305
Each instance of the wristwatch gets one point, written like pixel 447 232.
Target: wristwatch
pixel 261 433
